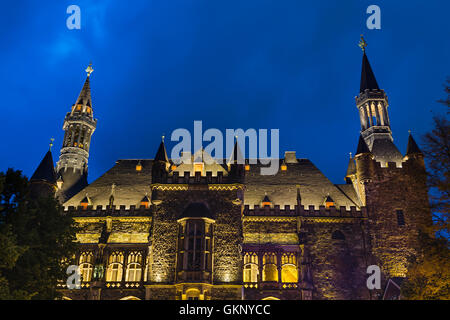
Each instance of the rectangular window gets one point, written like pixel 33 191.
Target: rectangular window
pixel 400 218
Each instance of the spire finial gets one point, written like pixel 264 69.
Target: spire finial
pixel 162 138
pixel 350 155
pixel 409 131
pixel 89 69
pixel 51 143
pixel 362 44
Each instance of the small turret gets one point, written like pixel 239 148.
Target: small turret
pixel 161 164
pixel 236 163
pixel 351 170
pixel 43 180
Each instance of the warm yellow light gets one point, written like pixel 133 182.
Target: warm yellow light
pixel 283 167
pixel 198 167
pixel 329 204
pixel 247 167
pixel 138 167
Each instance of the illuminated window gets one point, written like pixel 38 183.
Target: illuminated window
pixel 174 167
pixel 289 272
pixel 270 270
pixel 329 202
pixel 266 201
pixel 400 218
pixel 86 263
pixel 134 267
pixel 115 267
pixel 88 110
pixel 283 166
pixel 198 167
pixel 251 269
pixel 145 202
pixel 139 166
pixel 84 203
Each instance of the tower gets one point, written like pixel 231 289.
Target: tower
pixel 79 125
pixel 372 104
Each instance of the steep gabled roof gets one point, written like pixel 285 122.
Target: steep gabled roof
pixel 46 170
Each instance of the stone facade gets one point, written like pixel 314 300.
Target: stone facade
pixel 154 229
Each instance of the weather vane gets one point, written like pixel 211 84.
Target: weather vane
pixel 89 69
pixel 362 44
pixel 51 143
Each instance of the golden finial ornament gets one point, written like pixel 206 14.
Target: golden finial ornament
pixel 362 43
pixel 89 69
pixel 51 143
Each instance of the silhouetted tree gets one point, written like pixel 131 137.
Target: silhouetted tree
pixel 428 275
pixel 35 239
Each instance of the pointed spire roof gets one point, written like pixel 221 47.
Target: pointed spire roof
pixel 46 170
pixel 266 199
pixel 161 154
pixel 412 146
pixel 84 98
pixel 236 155
pixel 351 169
pixel 362 146
pixel 368 80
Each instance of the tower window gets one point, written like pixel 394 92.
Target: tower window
pixel 115 267
pixel 400 218
pixel 86 264
pixel 270 270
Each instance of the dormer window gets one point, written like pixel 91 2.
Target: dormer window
pixel 145 202
pixel 283 166
pixel 198 166
pixel 266 202
pixel 84 203
pixel 329 202
pixel 139 166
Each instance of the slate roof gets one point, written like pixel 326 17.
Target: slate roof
pixel 281 189
pixel 46 170
pixel 368 80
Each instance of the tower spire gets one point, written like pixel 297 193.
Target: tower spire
pixel 372 104
pixel 79 125
pixel 368 80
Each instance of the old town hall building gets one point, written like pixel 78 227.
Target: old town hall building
pixel 152 229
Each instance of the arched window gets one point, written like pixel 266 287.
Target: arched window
pixel 270 270
pixel 134 267
pixel 86 263
pixel 115 267
pixel 337 235
pixel 289 272
pixel 251 267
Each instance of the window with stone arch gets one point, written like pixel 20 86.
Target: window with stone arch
pixel 289 270
pixel 251 269
pixel 86 263
pixel 134 267
pixel 270 270
pixel 115 267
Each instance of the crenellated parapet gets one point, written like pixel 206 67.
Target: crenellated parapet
pixel 308 212
pixel 108 211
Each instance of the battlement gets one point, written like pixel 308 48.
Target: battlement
pixel 101 211
pixel 301 211
pixel 198 178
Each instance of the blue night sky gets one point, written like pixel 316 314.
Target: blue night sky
pixel 160 65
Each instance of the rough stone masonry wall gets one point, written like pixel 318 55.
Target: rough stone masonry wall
pixel 262 231
pixel 227 234
pixel 396 189
pixel 337 266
